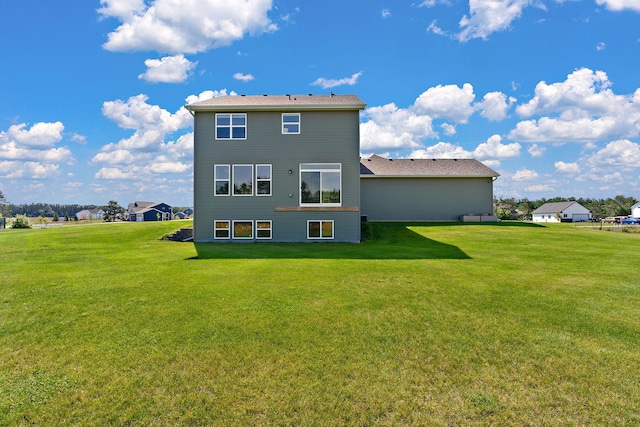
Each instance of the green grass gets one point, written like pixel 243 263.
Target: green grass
pixel 422 324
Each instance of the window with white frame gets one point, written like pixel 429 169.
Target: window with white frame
pixel 291 123
pixel 221 177
pixel 243 229
pixel 263 180
pixel 320 229
pixel 242 180
pixel 221 229
pixel 320 184
pixel 231 126
pixel 263 229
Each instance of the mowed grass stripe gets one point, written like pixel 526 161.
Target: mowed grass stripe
pixel 507 324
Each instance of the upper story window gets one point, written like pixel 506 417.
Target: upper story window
pixel 263 180
pixel 242 180
pixel 221 176
pixel 231 126
pixel 291 123
pixel 320 184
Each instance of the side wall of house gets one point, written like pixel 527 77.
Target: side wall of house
pixel 425 199
pixel 547 217
pixel 325 137
pixel 576 212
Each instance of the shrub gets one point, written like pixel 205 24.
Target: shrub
pixel 21 221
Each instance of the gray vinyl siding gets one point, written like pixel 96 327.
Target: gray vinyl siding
pixel 425 199
pixel 325 137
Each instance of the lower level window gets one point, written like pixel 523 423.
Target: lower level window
pixel 263 229
pixel 243 229
pixel 221 229
pixel 319 229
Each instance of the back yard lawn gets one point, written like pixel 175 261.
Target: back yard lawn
pixel 505 324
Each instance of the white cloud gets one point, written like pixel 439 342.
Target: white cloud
pixel 169 69
pixel 208 94
pixel 432 3
pixel 115 173
pixel 329 83
pixel 136 113
pixel 114 157
pixel 536 151
pixel 80 139
pixel 494 149
pixel 39 135
pixel 618 5
pixel 494 106
pixel 442 150
pixel 601 46
pixel 12 151
pixel 448 102
pixel 539 188
pixel 30 153
pixel 525 175
pixel 448 129
pixel 168 167
pixel 568 168
pixel 390 127
pixel 243 77
pixel 386 13
pixel 433 28
pixel 621 154
pixel 28 170
pixel 490 16
pixel 121 9
pixel 583 92
pixel 582 108
pixel 169 26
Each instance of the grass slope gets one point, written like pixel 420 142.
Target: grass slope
pixel 506 324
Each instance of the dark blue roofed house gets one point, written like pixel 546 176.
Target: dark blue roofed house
pixel 277 168
pixel 148 211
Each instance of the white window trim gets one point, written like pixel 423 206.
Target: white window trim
pixel 270 229
pixel 233 184
pixel 270 180
pixel 321 221
pixel 215 229
pixel 231 126
pixel 216 179
pixel 286 132
pixel 233 229
pixel 318 167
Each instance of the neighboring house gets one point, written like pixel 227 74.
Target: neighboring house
pixel 561 212
pixel 635 210
pixel 425 189
pixel 148 211
pixel 184 214
pixel 90 214
pixel 278 168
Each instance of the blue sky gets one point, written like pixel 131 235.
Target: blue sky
pixel 545 92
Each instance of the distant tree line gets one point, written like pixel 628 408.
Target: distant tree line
pixel 520 209
pixel 43 210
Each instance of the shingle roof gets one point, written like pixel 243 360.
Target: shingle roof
pixel 553 207
pixel 281 102
pixel 379 166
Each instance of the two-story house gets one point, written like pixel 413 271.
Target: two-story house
pixel 279 168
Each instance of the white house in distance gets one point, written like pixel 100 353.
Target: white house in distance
pixel 95 214
pixel 561 212
pixel 635 210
